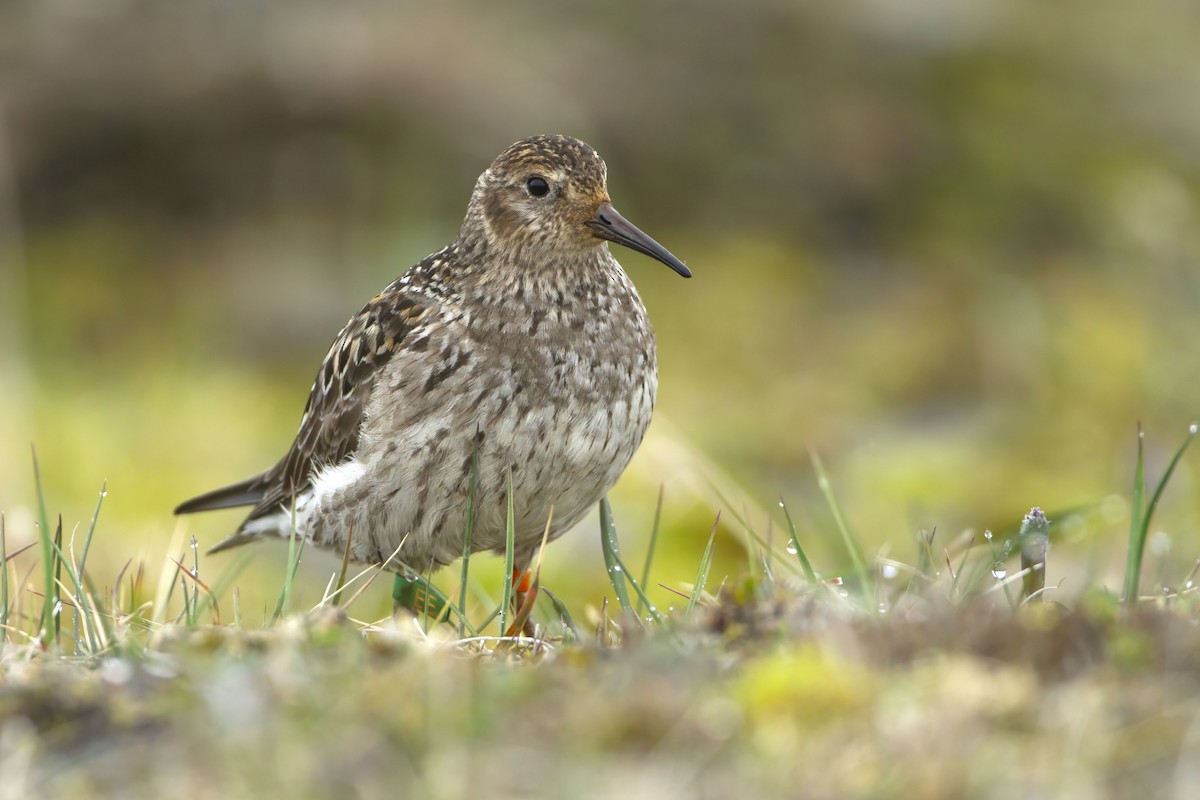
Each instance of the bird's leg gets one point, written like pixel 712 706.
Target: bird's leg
pixel 525 591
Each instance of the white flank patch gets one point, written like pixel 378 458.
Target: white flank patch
pixel 332 480
pixel 326 483
pixel 277 524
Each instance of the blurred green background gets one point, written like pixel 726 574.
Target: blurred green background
pixel 951 243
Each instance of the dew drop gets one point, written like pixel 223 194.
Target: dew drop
pixel 615 568
pixel 888 572
pixel 987 535
pixel 843 593
pixel 58 606
pixel 883 609
pixel 999 571
pixel 1187 585
pixel 791 546
pixel 1193 429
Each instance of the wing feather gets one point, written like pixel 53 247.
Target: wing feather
pixel 329 429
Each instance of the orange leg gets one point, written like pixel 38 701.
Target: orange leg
pixel 525 591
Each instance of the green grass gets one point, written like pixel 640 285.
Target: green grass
pixel 509 555
pixel 931 676
pixel 1140 517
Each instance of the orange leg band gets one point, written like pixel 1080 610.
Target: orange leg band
pixel 522 580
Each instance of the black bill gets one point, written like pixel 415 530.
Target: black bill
pixel 610 225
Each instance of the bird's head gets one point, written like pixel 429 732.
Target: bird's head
pixel 549 194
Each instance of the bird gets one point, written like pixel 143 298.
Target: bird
pixel 516 364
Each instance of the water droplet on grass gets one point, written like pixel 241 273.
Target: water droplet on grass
pixel 999 571
pixel 888 572
pixel 791 546
pixel 987 535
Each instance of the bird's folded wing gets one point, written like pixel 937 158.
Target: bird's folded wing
pixel 333 416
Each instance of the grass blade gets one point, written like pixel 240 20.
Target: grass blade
pixel 189 613
pixel 750 535
pixel 642 599
pixel 1137 542
pixel 1034 536
pixel 839 519
pixel 490 618
pixel 49 628
pixel 653 542
pixel 564 615
pixel 80 600
pixel 87 541
pixel 525 610
pixel 100 620
pixel 193 615
pixel 345 568
pixel 956 575
pixel 510 534
pixel 424 582
pixel 285 598
pixel 224 580
pixel 58 562
pixel 467 534
pixel 1137 538
pixel 3 585
pixel 705 565
pixel 530 595
pixel 794 546
pixel 612 560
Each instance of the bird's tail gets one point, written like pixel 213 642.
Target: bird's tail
pixel 268 519
pixel 274 523
pixel 235 540
pixel 249 492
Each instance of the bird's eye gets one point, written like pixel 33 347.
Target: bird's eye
pixel 537 186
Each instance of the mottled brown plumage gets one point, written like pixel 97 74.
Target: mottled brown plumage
pixel 521 345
